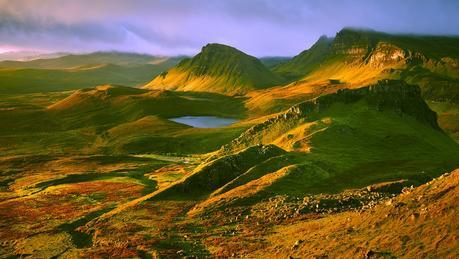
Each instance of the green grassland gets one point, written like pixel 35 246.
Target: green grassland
pixel 342 141
pixel 114 119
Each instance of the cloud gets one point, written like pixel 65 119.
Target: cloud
pixel 259 27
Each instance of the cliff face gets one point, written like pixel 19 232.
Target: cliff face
pixel 394 95
pixel 359 57
pixel 384 96
pixel 353 43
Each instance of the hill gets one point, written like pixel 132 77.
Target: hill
pixel 306 61
pixel 354 58
pixel 358 56
pixel 350 139
pixel 418 222
pixel 115 119
pixel 217 68
pixel 71 72
pixel 78 60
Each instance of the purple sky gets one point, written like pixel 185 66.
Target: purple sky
pixel 171 27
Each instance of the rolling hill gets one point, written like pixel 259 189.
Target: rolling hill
pixel 116 119
pixel 346 140
pixel 217 68
pixel 74 71
pixel 95 58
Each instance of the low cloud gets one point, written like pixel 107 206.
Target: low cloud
pixel 259 27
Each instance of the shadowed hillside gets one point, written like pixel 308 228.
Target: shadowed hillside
pixel 354 58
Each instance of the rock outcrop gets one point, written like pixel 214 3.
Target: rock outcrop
pixel 385 95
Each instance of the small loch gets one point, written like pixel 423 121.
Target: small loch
pixel 204 121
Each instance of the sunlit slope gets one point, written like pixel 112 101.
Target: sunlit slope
pixel 355 58
pixel 80 71
pixel 350 139
pixel 420 221
pixel 217 68
pixel 119 119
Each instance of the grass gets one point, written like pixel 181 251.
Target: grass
pixel 138 175
pixel 113 120
pixel 349 145
pixel 81 239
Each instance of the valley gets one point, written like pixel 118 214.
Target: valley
pixel 349 149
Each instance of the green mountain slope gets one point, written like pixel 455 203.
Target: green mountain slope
pixel 217 68
pixel 306 61
pixel 358 56
pixel 351 139
pixel 271 62
pixel 115 119
pixel 354 58
pixel 80 71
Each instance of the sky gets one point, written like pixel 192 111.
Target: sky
pixel 176 27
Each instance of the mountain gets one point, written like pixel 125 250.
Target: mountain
pixel 306 61
pixel 338 152
pixel 356 57
pixel 349 139
pixel 217 68
pixel 360 56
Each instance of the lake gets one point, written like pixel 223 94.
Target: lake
pixel 204 121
